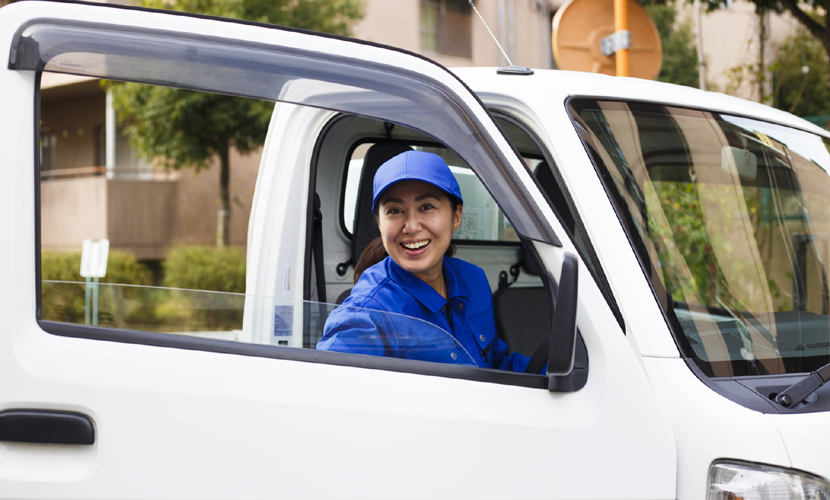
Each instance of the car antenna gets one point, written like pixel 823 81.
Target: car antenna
pixel 512 69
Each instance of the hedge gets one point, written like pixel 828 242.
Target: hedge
pixel 122 267
pixel 65 302
pixel 205 268
pixel 191 268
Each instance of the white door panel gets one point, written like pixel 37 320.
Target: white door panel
pixel 202 424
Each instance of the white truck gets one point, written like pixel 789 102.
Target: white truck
pixel 667 245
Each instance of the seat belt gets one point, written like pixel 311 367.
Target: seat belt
pixel 317 250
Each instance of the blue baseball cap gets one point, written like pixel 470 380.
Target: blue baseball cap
pixel 415 166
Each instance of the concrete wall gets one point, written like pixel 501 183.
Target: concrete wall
pixel 71 211
pixel 139 216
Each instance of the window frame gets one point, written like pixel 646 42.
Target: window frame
pixel 542 231
pixel 596 270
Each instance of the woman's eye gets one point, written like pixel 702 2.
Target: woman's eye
pixel 427 206
pixel 393 211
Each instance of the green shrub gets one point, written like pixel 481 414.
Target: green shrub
pixel 205 268
pixel 122 267
pixel 65 301
pixel 148 308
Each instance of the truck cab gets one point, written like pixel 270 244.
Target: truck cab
pixel 662 246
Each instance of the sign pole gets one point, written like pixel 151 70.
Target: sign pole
pixel 86 299
pixel 93 267
pixel 621 25
pixel 95 301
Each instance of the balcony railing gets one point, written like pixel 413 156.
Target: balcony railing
pixel 115 173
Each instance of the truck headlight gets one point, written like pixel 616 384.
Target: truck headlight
pixel 746 481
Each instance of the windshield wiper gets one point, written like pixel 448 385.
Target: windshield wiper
pixel 799 391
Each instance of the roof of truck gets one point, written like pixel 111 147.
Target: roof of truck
pixel 559 85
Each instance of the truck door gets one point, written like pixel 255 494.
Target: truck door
pixel 229 404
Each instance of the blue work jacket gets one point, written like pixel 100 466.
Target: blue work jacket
pixel 391 312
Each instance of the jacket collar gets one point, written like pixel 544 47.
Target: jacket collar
pixel 425 294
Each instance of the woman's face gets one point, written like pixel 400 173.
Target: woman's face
pixel 416 223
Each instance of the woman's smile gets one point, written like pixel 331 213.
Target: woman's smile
pixel 416 245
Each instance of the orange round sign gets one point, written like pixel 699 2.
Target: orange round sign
pixel 579 27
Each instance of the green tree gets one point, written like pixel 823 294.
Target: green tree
pixel 801 76
pixel 679 51
pixel 180 128
pixel 813 15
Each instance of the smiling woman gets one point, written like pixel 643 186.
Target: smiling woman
pixel 418 205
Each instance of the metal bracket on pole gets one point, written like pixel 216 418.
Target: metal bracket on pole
pixel 617 40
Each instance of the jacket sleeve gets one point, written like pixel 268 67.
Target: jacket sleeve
pixel 357 331
pixel 515 362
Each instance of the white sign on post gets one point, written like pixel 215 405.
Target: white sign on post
pixel 94 258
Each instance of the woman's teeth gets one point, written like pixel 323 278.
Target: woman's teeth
pixel 415 246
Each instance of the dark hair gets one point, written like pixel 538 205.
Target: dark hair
pixel 375 251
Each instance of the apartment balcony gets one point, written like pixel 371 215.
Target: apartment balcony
pixel 133 207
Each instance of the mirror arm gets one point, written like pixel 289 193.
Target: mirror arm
pixel 563 326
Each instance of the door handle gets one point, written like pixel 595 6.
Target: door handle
pixel 46 427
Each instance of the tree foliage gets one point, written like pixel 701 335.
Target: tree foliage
pixel 813 15
pixel 804 93
pixel 678 40
pixel 328 16
pixel 180 128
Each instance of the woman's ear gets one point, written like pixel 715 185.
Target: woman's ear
pixel 456 217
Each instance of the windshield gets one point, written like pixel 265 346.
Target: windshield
pixel 730 218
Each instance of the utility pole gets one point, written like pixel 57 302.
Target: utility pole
pixel 621 26
pixel 701 65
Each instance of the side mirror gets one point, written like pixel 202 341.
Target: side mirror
pixel 563 329
pixel 564 354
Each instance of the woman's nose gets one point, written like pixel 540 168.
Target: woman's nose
pixel 412 224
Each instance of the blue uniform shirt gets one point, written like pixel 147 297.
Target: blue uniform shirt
pixel 393 313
